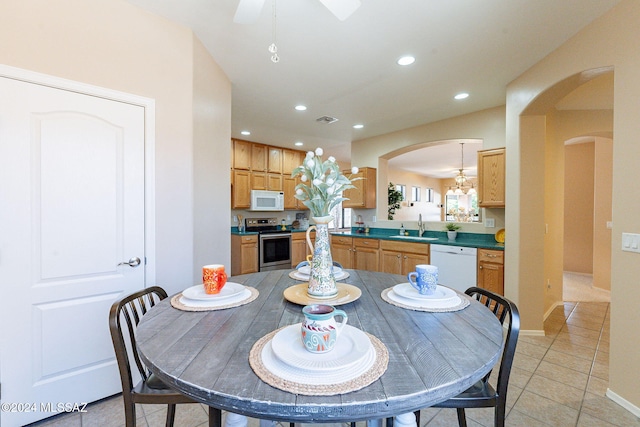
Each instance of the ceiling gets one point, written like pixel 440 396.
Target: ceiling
pixel 347 69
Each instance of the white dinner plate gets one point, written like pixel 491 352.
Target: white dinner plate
pixel 296 274
pixel 306 270
pixel 230 289
pixel 303 376
pixel 212 303
pixel 441 294
pixel 351 347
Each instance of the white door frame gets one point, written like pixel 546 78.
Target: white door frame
pixel 149 106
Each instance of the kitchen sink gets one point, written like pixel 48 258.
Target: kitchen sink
pixel 415 237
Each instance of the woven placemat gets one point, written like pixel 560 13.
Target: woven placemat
pixel 175 302
pixel 375 372
pixel 464 302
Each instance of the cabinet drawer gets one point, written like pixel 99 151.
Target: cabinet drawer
pixel 417 248
pixel 488 255
pixel 249 239
pixel 341 240
pixel 366 243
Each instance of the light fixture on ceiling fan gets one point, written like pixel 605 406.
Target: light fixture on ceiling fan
pixel 461 179
pixel 249 10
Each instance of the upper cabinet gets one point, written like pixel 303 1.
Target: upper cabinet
pixel 275 160
pixel 258 158
pixel 291 159
pixel 364 195
pixel 242 154
pixel 491 178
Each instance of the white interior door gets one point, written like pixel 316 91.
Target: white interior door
pixel 71 210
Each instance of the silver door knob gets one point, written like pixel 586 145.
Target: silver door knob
pixel 133 262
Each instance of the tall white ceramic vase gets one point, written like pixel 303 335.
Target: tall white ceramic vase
pixel 322 284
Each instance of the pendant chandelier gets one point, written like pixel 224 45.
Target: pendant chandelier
pixel 461 179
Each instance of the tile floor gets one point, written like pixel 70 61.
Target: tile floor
pixel 557 380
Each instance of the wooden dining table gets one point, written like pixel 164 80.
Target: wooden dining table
pixel 432 355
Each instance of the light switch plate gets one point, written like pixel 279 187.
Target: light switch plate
pixel 631 242
pixel 489 222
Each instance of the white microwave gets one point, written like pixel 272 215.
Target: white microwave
pixel 263 200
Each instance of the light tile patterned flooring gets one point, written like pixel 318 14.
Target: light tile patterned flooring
pixel 557 380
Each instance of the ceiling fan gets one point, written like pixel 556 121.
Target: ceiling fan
pixel 249 10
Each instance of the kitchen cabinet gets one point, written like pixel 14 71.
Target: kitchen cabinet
pixel 402 257
pixel 275 160
pixel 244 254
pixel 258 158
pixel 363 196
pixel 358 253
pixel 241 189
pixel 491 178
pixel 242 154
pixel 299 247
pixel 291 159
pixel 491 270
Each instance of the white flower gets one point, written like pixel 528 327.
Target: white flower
pixel 310 154
pixel 303 178
pixel 317 182
pixel 330 190
pixel 330 181
pixel 299 191
pixel 332 159
pixel 319 151
pixel 354 170
pixel 310 163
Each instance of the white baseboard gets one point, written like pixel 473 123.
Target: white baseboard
pixel 623 402
pixel 532 333
pixel 553 307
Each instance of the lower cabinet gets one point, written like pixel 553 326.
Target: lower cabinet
pixel 357 253
pixel 244 254
pixel 299 247
pixel 491 270
pixel 402 257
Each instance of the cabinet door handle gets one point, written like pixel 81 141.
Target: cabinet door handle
pixel 405 257
pixel 398 256
pixel 480 267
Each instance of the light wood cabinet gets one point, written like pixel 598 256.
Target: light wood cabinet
pixel 491 270
pixel 358 253
pixel 258 158
pixel 242 154
pixel 241 189
pixel 299 247
pixel 275 160
pixel 244 254
pixel 364 195
pixel 291 159
pixel 274 182
pixel 491 178
pixel 402 257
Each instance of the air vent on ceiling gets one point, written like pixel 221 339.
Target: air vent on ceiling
pixel 326 119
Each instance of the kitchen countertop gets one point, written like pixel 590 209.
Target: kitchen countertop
pixel 470 240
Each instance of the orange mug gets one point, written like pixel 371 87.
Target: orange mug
pixel 213 278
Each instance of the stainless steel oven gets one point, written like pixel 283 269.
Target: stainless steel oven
pixel 275 251
pixel 274 246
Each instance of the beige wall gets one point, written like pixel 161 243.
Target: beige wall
pixel 610 41
pixel 113 44
pixel 429 211
pixel 487 125
pixel 579 162
pixel 602 213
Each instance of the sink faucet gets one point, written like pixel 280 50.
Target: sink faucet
pixel 420 226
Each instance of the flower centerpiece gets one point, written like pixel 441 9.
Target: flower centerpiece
pixel 320 189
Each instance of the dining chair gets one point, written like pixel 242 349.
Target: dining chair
pixel 124 316
pixel 482 394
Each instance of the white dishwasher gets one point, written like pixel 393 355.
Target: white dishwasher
pixel 456 266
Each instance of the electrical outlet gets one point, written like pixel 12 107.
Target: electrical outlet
pixel 374 219
pixel 489 222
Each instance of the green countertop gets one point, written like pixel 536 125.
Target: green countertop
pixel 470 240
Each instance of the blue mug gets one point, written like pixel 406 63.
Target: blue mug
pixel 426 279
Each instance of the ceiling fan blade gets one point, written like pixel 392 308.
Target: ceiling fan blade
pixel 248 11
pixel 342 9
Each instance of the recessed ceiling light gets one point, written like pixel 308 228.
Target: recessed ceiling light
pixel 358 126
pixel 406 60
pixel 245 132
pixel 301 107
pixel 462 95
pixel 299 144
